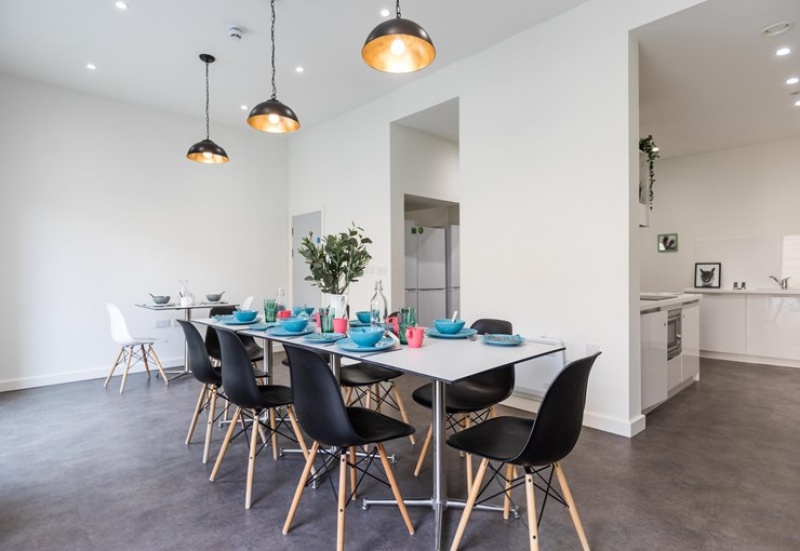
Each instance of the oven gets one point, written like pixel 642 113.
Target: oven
pixel 673 333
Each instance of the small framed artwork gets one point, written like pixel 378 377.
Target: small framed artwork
pixel 707 274
pixel 668 242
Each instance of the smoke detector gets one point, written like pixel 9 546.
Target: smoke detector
pixel 234 32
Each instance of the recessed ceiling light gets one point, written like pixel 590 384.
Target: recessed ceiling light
pixel 797 103
pixel 121 5
pixel 91 66
pixel 783 51
pixel 793 80
pixel 243 107
pixel 776 28
pixel 299 69
pixel 385 12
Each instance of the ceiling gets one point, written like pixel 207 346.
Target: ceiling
pixel 708 79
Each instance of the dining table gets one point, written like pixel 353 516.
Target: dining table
pixel 187 315
pixel 443 361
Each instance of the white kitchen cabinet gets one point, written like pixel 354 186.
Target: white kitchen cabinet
pixel 773 326
pixel 723 323
pixel 654 358
pixel 690 341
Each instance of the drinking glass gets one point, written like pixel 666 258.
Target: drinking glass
pixel 270 309
pixel 325 320
pixel 407 317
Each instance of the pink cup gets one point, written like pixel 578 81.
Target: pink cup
pixel 284 314
pixel 340 325
pixel 392 321
pixel 414 336
pixel 316 318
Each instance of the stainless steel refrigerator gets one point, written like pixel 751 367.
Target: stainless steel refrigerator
pixel 432 276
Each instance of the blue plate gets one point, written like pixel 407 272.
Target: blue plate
pixel 463 334
pixel 357 323
pixel 234 321
pixel 348 344
pixel 503 340
pixel 324 337
pixel 263 326
pixel 281 332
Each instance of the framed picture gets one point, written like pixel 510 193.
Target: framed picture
pixel 668 242
pixel 707 274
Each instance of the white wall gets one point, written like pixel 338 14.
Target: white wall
pixel 548 185
pixel 722 202
pixel 99 204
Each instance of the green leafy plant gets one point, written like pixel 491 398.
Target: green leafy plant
pixel 338 260
pixel 649 148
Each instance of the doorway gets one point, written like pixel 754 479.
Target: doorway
pixel 303 292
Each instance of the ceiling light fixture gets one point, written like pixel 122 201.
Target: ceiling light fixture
pixel 272 115
pixel 299 69
pixel 91 66
pixel 792 80
pixel 206 151
pixel 398 46
pixel 385 12
pixel 777 28
pixel 783 51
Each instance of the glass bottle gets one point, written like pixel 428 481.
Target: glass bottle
pixel 378 307
pixel 280 300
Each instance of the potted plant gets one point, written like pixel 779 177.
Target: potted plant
pixel 335 262
pixel 648 147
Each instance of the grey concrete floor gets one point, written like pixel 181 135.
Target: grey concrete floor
pixel 82 468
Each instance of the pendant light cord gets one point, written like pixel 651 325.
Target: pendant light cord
pixel 208 133
pixel 272 35
pixel 398 9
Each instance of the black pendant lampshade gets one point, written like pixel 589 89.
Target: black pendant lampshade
pixel 272 115
pixel 398 46
pixel 206 151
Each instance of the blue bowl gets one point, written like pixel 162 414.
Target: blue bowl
pixel 245 315
pixel 366 336
pixel 294 325
pixel 297 309
pixel 364 316
pixel 448 327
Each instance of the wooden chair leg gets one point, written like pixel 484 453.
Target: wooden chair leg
pixel 221 455
pixel 301 486
pixel 468 424
pixel 573 511
pixel 348 395
pixel 387 468
pixel 251 461
pixel 129 353
pixel 198 408
pixel 533 528
pixel 160 367
pixel 353 473
pixel 423 451
pixel 402 408
pixel 511 473
pixel 471 499
pixel 212 412
pixel 341 501
pixel 113 367
pixel 144 361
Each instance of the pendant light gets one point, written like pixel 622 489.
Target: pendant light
pixel 272 115
pixel 206 151
pixel 398 46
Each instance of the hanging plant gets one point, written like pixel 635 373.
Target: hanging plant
pixel 337 261
pixel 649 148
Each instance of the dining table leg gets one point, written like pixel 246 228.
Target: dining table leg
pixel 439 498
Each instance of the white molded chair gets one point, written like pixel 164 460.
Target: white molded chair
pixel 132 349
pixel 246 303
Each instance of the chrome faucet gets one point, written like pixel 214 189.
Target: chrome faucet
pixel 784 283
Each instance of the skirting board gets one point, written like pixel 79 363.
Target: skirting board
pixel 590 419
pixel 748 359
pixel 83 375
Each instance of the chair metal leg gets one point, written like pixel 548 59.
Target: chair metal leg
pixel 298 493
pixel 251 461
pixel 341 501
pixel 573 511
pixel 387 467
pixel 221 455
pixel 423 451
pixel 113 367
pixel 470 504
pixel 198 408
pixel 533 528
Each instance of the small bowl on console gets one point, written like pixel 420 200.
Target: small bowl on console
pixel 294 325
pixel 214 297
pixel 365 337
pixel 448 327
pixel 245 315
pixel 160 299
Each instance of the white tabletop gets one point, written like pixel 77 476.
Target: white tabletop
pixel 177 306
pixel 447 360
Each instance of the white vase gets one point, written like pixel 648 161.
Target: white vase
pixel 339 305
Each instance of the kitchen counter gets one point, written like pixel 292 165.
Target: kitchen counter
pixel 773 292
pixel 668 300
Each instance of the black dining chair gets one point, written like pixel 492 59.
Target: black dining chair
pixel 255 353
pixel 537 445
pixel 336 430
pixel 251 401
pixel 210 377
pixel 472 399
